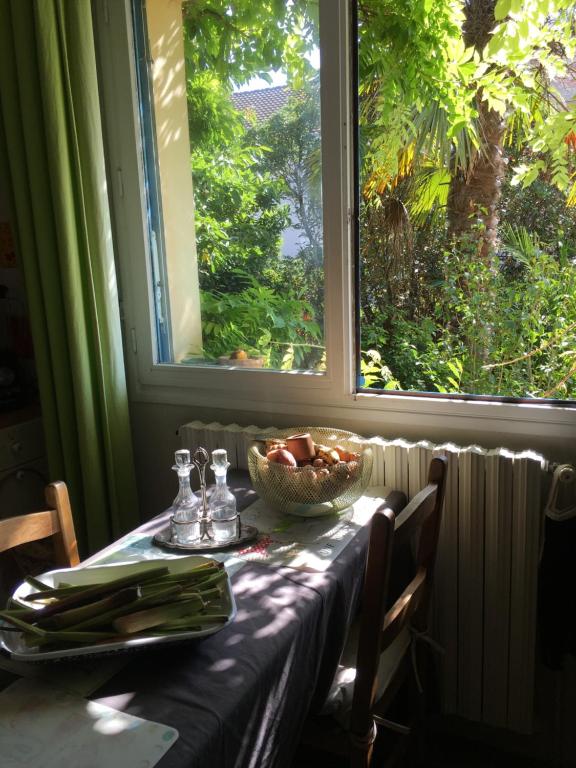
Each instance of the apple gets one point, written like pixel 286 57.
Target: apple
pixel 281 456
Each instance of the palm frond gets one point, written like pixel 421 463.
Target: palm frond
pixel 436 141
pixel 427 189
pixel 519 243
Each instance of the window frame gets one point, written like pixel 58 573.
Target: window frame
pixel 119 79
pixel 321 397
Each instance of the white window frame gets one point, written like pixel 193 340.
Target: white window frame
pixel 319 397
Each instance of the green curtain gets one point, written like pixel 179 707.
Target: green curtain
pixel 51 151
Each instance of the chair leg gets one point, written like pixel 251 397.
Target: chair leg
pixel 362 748
pixel 425 704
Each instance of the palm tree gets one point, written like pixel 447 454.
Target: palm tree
pixel 439 157
pixel 475 190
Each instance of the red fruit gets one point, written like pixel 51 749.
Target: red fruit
pixel 281 456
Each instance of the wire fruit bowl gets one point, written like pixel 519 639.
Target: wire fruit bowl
pixel 306 490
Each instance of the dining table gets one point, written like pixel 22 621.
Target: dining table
pixel 239 698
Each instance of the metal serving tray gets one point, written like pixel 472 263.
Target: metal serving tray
pixel 246 534
pixel 13 641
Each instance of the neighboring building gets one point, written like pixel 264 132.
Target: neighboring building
pixel 261 103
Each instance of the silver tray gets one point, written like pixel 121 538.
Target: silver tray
pixel 247 533
pixel 13 642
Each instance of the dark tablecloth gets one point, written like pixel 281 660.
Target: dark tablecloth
pixel 239 698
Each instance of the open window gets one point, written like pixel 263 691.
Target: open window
pixel 377 340
pixel 467 199
pixel 230 112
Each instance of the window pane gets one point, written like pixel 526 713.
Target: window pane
pixel 233 116
pixel 467 230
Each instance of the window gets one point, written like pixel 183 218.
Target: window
pixel 467 230
pixel 231 127
pixel 169 358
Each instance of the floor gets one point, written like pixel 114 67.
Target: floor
pixel 451 752
pixel 442 741
pixel 438 747
pixel 440 753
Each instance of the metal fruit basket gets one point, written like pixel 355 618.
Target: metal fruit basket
pixel 305 491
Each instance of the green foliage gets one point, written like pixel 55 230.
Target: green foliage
pixel 248 39
pixel 293 156
pixel 239 215
pixel 435 316
pixel 279 327
pixel 212 119
pixel 305 279
pixel 442 317
pixel 373 372
pixel 400 82
pixel 541 209
pixel 493 329
pixel 422 108
pixel 244 175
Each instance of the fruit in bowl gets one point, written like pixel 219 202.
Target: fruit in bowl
pixel 282 456
pixel 310 471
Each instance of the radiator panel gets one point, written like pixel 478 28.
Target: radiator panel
pixel 526 529
pixel 497 582
pixel 446 607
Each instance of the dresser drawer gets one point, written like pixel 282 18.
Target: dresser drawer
pixel 21 443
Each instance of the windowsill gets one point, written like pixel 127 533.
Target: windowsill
pixel 486 423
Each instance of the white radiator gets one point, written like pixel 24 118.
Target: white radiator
pixel 487 566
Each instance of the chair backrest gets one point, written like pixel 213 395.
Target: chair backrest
pixel 420 521
pixel 56 521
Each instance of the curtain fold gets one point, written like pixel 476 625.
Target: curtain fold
pixel 51 148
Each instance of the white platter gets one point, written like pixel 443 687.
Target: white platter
pixel 13 641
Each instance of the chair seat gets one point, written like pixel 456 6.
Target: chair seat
pixel 338 703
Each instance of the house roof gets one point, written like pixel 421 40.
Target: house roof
pixel 263 102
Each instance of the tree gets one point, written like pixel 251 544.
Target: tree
pixel 453 93
pixel 458 99
pixel 235 43
pixel 488 82
pixel 293 155
pixel 231 190
pixel 241 185
pixel 474 191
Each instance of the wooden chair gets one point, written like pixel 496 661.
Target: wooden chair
pixel 55 522
pixel 381 644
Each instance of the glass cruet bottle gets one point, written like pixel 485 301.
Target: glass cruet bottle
pixel 222 504
pixel 186 507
